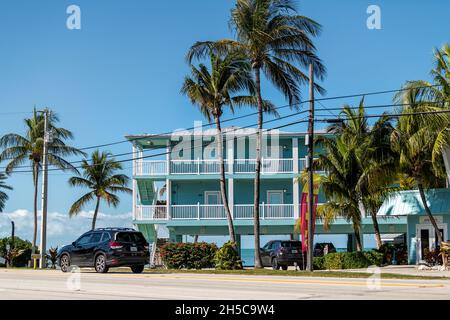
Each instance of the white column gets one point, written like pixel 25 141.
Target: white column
pixel 230 161
pixel 230 152
pixel 168 156
pixel 231 196
pixel 169 198
pixel 295 154
pixel 134 198
pixel 296 197
pixel 295 184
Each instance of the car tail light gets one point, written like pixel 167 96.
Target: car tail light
pixel 115 245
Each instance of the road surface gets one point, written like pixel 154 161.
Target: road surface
pixel 53 284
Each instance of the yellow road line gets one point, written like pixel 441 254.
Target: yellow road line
pixel 324 282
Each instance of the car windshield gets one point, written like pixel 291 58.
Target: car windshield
pixel 291 244
pixel 130 237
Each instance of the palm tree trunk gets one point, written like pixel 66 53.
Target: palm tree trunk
pixel 196 238
pixel 94 218
pixel 429 214
pixel 376 229
pixel 223 190
pixel 359 247
pixel 35 205
pixel 257 186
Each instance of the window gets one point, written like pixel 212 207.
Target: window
pixel 275 197
pixel 95 238
pixel 267 246
pixel 212 197
pixel 106 236
pixel 84 239
pixel 123 237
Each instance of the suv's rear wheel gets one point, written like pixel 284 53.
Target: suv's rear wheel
pixel 137 269
pixel 64 262
pixel 275 265
pixel 100 264
pixel 284 267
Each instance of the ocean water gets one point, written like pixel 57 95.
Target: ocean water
pixel 248 256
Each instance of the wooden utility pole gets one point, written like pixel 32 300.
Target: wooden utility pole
pixel 309 262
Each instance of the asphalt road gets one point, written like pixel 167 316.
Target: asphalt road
pixel 29 284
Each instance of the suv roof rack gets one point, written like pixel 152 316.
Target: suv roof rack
pixel 114 228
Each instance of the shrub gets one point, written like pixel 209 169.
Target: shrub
pixel 388 250
pixel 319 263
pixel 352 260
pixel 188 255
pixel 22 245
pixel 227 258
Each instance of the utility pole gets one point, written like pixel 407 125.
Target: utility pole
pixel 47 139
pixel 309 257
pixel 11 248
pixel 12 234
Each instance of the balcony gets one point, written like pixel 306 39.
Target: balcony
pixel 213 212
pixel 205 167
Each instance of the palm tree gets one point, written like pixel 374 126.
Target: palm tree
pixel 100 177
pixel 3 195
pixel 275 39
pixel 377 162
pixel 29 148
pixel 212 91
pixel 341 162
pixel 421 140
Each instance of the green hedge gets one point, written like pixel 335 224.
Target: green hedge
pixel 348 260
pixel 189 255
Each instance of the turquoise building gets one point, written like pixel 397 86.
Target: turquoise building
pixel 421 236
pixel 180 189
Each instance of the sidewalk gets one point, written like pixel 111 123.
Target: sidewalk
pixel 406 270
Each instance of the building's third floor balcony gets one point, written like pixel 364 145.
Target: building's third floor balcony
pixel 205 167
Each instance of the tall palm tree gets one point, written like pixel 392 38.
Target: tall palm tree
pixel 340 160
pixel 101 178
pixel 3 195
pixel 20 149
pixel 212 90
pixel 378 163
pixel 421 140
pixel 276 40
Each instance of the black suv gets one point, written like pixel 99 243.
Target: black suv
pixel 319 249
pixel 104 248
pixel 282 253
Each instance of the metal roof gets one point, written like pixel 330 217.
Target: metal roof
pixel 409 203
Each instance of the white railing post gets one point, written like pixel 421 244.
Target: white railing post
pixel 198 165
pixel 198 210
pixel 262 211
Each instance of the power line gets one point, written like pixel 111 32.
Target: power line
pixel 274 128
pixel 252 125
pixel 278 108
pixel 191 148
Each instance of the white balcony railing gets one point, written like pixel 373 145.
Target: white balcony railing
pixel 240 166
pixel 151 213
pixel 214 212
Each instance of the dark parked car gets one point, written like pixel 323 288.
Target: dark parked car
pixel 319 249
pixel 104 248
pixel 282 253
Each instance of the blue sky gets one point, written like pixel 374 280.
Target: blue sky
pixel 121 73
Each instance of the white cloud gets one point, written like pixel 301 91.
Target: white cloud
pixel 61 229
